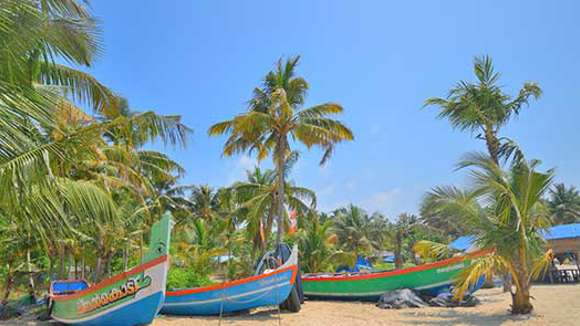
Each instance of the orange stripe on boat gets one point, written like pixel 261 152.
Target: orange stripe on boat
pixel 236 282
pixel 112 280
pixel 419 268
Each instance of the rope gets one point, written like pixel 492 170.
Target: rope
pixel 279 315
pixel 222 305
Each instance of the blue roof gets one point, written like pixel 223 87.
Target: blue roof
pixel 562 231
pixel 552 233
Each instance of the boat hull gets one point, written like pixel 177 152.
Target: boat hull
pixel 130 298
pixel 433 278
pixel 240 295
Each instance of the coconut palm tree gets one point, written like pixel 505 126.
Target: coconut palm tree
pixel 205 202
pixel 257 198
pixel 508 225
pixel 59 173
pixel 277 117
pixel 482 108
pixel 318 245
pixel 401 230
pixel 564 204
pixel 431 216
pixel 357 231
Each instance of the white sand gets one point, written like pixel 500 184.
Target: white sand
pixel 554 305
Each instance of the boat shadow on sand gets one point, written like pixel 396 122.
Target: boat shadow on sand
pixel 262 314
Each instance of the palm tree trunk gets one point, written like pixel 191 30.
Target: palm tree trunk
pixel 76 266
pixel 9 284
pixel 398 250
pixel 83 266
pixel 521 299
pixel 126 257
pixel 61 262
pixel 109 265
pixel 98 267
pixel 30 275
pixel 493 149
pixel 492 144
pixel 280 161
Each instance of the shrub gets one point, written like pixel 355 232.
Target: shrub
pixel 180 278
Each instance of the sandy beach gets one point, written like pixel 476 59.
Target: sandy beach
pixel 555 305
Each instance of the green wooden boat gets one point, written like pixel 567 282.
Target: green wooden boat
pixel 130 298
pixel 433 278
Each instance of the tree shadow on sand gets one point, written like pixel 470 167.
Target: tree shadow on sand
pixel 463 317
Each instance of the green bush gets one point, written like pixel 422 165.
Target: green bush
pixel 180 278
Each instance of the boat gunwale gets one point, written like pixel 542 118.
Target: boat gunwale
pixel 229 284
pixel 318 277
pixel 114 279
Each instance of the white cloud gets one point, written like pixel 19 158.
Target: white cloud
pixel 237 169
pixel 247 163
pixel 327 191
pixel 386 202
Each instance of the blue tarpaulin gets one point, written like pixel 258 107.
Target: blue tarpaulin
pixel 361 263
pixel 389 259
pixel 65 287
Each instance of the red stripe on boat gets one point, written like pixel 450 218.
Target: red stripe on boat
pixel 112 280
pixel 233 283
pixel 315 278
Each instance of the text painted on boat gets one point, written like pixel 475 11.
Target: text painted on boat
pixel 450 268
pixel 271 280
pixel 128 289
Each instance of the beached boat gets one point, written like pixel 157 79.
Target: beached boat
pixel 269 287
pixel 130 298
pixel 433 278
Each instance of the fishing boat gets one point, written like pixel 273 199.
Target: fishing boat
pixel 268 287
pixel 433 278
pixel 130 298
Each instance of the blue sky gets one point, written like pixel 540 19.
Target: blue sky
pixel 379 59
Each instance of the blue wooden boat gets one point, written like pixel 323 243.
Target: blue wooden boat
pixel 130 298
pixel 271 287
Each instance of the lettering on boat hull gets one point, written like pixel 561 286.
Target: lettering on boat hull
pixel 129 289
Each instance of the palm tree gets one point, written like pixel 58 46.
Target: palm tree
pixel 483 108
pixel 564 204
pixel 318 245
pixel 59 173
pixel 357 231
pixel 431 216
pixel 257 198
pixel 509 225
pixel 277 116
pixel 402 229
pixel 205 202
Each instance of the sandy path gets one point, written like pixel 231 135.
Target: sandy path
pixel 555 305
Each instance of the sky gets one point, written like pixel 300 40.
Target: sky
pixel 379 59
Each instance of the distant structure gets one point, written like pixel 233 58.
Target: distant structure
pixel 564 240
